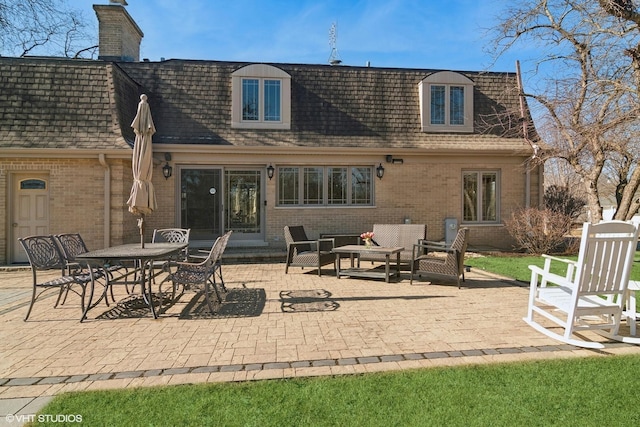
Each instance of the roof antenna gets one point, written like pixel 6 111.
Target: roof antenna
pixel 334 57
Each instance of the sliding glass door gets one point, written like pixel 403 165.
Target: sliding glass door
pixel 201 203
pixel 244 204
pixel 214 201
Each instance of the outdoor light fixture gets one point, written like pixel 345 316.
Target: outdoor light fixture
pixel 390 159
pixel 270 171
pixel 167 170
pixel 380 171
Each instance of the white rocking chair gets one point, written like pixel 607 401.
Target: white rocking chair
pixel 590 295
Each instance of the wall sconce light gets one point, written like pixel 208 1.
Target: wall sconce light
pixel 270 171
pixel 390 159
pixel 167 170
pixel 380 171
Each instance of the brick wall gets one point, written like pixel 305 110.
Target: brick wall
pixel 425 190
pixel 119 35
pixel 76 198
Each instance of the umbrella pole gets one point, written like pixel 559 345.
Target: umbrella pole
pixel 141 227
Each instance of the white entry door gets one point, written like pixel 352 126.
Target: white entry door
pixel 30 214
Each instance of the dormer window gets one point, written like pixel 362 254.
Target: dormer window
pixel 446 103
pixel 261 98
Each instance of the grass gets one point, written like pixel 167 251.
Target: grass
pixel 585 392
pixel 516 267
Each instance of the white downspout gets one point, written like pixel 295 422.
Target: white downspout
pixel 525 133
pixel 107 199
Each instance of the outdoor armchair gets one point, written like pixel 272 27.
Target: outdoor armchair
pixel 590 295
pixel 436 258
pixel 200 275
pixel 169 235
pixel 72 245
pixel 172 235
pixel 44 254
pixel 302 252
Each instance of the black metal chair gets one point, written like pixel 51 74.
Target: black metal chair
pixel 44 254
pixel 302 252
pixel 201 274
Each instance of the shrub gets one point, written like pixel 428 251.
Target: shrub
pixel 539 231
pixel 559 199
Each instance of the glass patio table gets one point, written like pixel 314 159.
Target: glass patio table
pixel 141 258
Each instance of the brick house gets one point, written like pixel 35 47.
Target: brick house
pixel 254 147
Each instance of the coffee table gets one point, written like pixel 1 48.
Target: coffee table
pixel 371 273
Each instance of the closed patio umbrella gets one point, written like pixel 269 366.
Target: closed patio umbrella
pixel 142 200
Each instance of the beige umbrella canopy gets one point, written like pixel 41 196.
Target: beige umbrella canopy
pixel 142 200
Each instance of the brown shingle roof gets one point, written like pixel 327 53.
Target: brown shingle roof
pixel 46 103
pixel 49 103
pixel 331 106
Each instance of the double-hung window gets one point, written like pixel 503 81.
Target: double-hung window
pixel 261 98
pixel 480 196
pixel 325 186
pixel 446 103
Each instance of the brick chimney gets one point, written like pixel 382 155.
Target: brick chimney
pixel 119 35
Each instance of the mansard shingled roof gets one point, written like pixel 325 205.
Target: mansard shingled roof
pixel 331 106
pixel 52 103
pixel 56 103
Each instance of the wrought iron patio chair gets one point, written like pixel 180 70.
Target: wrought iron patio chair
pixel 590 295
pixel 72 245
pixel 447 261
pixel 302 252
pixel 200 275
pixel 44 254
pixel 170 235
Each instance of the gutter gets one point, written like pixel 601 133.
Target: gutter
pixel 107 199
pixel 62 153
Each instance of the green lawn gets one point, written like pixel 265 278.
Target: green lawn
pixel 577 392
pixel 516 266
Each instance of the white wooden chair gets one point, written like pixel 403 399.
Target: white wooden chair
pixel 590 295
pixel 631 310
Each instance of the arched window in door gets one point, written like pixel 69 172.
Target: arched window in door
pixel 33 184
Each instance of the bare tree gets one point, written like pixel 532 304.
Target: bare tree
pixel 44 27
pixel 590 102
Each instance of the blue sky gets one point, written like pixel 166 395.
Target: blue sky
pixel 440 34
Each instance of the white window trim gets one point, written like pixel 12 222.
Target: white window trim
pixel 260 72
pixel 448 79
